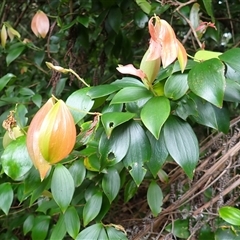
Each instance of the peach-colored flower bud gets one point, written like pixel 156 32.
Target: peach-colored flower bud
pixel 51 135
pixel 40 24
pixel 3 36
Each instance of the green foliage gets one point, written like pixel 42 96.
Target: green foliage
pixel 127 130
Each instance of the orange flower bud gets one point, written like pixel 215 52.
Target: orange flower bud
pixel 51 135
pixel 40 24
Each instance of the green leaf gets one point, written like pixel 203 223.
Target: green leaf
pixel 5 79
pixel 79 104
pixel 129 190
pixel 144 5
pixel 159 154
pixel 37 100
pixel 59 230
pixel 182 144
pixel 26 91
pixel 115 234
pixel 138 172
pixel 6 197
pixel 228 233
pixel 128 82
pixel 62 187
pixel 203 55
pixel 92 208
pixel 154 113
pixel 206 233
pixel 231 57
pixel 78 172
pixel 15 159
pixel 141 19
pixel 110 120
pixel 208 7
pixel 230 215
pixel 91 232
pixel 211 116
pixel 194 15
pixel 115 19
pixel 232 91
pixel 72 222
pixel 131 94
pixel 102 90
pixel 40 227
pixel 179 228
pixel 111 183
pixel 28 224
pixel 14 52
pixel 176 86
pixel 20 115
pixel 207 80
pixel 155 198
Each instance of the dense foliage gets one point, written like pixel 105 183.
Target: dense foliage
pixel 56 184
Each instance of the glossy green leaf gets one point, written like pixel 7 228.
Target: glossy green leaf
pixel 91 232
pixel 40 227
pixel 144 5
pixel 79 104
pixel 110 120
pixel 182 144
pixel 20 115
pixel 14 52
pixel 115 234
pixel 207 80
pixel 28 224
pixel 72 222
pixel 179 228
pixel 62 187
pixel 154 113
pixel 129 190
pixel 159 154
pixel 206 233
pixel 128 82
pixel 5 79
pixel 203 55
pixel 131 94
pixel 176 86
pixel 115 148
pixel 6 197
pixel 232 91
pixel 211 116
pixel 37 100
pixel 209 8
pixel 231 57
pixel 111 183
pixel 138 172
pixel 230 215
pixel 228 233
pixel 102 90
pixel 59 230
pixel 155 198
pixel 78 172
pixel 141 19
pixel 115 19
pixel 15 159
pixel 92 208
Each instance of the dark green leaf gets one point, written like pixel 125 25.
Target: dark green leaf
pixel 5 79
pixel 128 82
pixel 62 187
pixel 59 230
pixel 131 94
pixel 144 5
pixel 138 172
pixel 159 154
pixel 176 86
pixel 115 233
pixel 232 91
pixel 14 53
pixel 206 80
pixel 130 190
pixel 6 197
pixel 115 19
pixel 102 90
pixel 141 19
pixel 111 183
pixel 91 232
pixel 182 144
pixel 231 57
pixel 110 120
pixel 20 115
pixel 72 222
pixel 206 233
pixel 154 113
pixel 230 215
pixel 15 159
pixel 92 208
pixel 179 228
pixel 222 234
pixel 40 227
pixel 211 116
pixel 37 99
pixel 154 198
pixel 28 224
pixel 78 172
pixel 79 104
pixel 209 9
pixel 26 91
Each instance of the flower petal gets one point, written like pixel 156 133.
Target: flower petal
pixel 130 69
pixel 40 24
